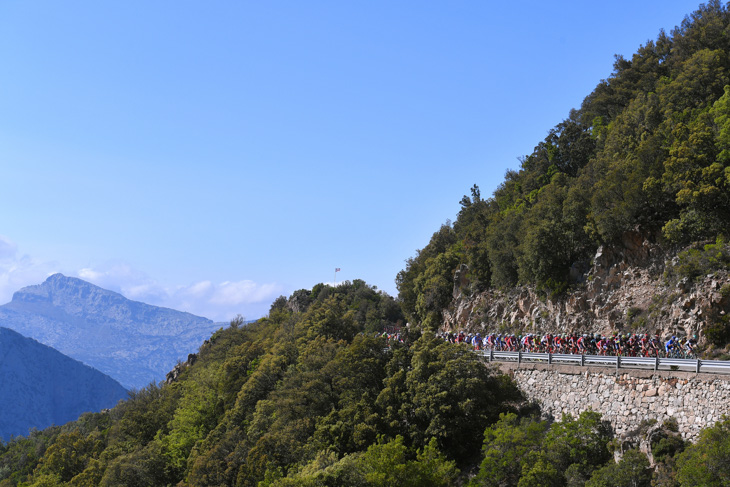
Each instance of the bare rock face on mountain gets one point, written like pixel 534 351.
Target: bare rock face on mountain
pixel 133 342
pixel 42 387
pixel 624 290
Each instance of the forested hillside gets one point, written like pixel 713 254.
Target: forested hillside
pixel 648 151
pixel 305 394
pixel 315 395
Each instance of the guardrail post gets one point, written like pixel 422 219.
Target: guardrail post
pixel 519 357
pixel 699 364
pixel 656 363
pixel 491 355
pixel 582 360
pixel 618 362
pixel 550 358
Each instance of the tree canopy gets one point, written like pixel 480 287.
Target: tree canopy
pixel 649 148
pixel 292 399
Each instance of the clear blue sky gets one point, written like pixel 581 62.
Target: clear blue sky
pixel 210 156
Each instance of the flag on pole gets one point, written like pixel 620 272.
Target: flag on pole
pixel 337 269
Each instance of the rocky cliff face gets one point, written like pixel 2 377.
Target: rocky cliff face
pixel 42 387
pixel 624 290
pixel 133 342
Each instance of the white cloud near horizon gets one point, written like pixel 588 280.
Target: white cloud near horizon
pixel 218 302
pixel 8 248
pixel 19 270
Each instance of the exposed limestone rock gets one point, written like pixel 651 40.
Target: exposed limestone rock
pixel 624 290
pixel 299 301
pixel 174 374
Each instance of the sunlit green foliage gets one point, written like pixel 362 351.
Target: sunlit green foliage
pixel 648 150
pixel 706 462
pixel 528 452
pixel 632 471
pixel 313 396
pixel 387 465
pixel 695 262
pixel 442 391
pixel 69 454
pixel 383 464
pixel 509 447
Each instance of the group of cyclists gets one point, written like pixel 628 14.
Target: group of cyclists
pixel 627 345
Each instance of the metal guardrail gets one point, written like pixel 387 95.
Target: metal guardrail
pixel 617 362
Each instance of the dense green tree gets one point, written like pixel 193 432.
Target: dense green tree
pixel 705 462
pixel 20 456
pixel 410 287
pixel 632 471
pixel 579 441
pixel 357 373
pixel 146 412
pixel 434 288
pixel 91 475
pixel 68 455
pixel 503 238
pixel 46 480
pixel 470 227
pixel 139 468
pixel 541 473
pixel 508 445
pixel 387 465
pixel 198 412
pixel 445 393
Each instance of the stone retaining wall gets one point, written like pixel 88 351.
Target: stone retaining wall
pixel 695 401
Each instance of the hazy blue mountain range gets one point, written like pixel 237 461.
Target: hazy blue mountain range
pixel 42 387
pixel 133 342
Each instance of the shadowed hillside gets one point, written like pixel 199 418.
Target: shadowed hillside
pixel 42 387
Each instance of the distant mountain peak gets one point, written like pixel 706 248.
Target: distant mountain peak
pixel 71 294
pixel 134 342
pixel 60 281
pixel 56 282
pixel 58 277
